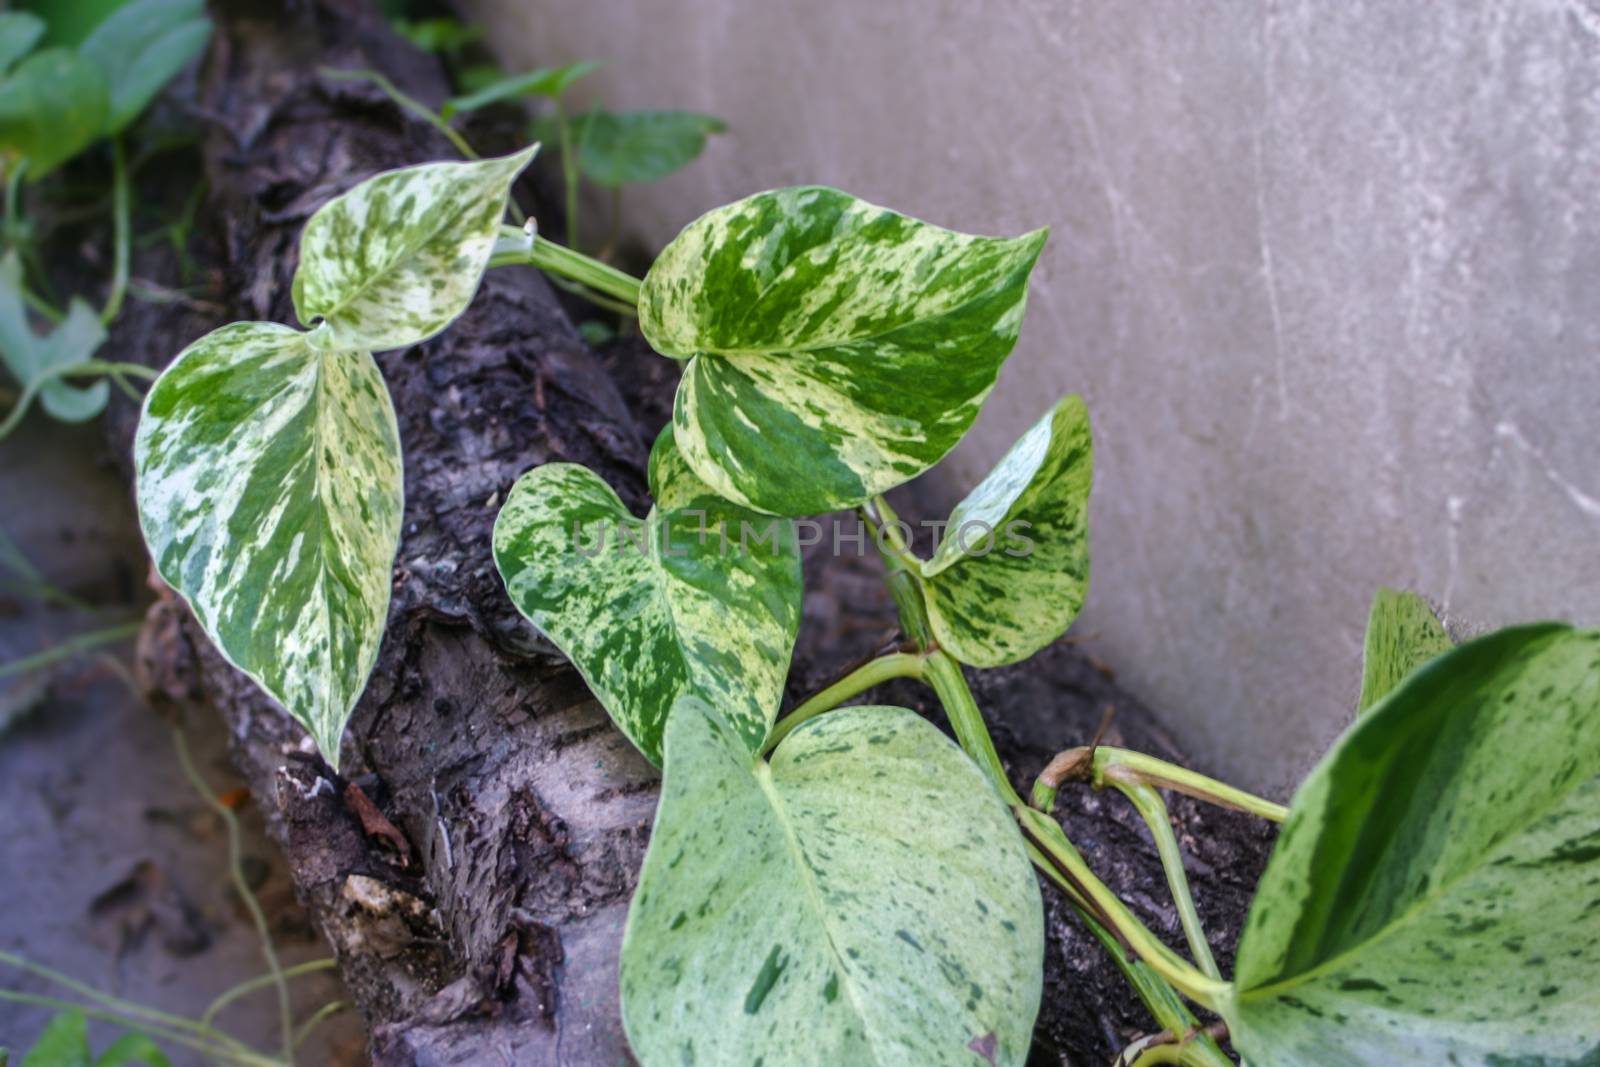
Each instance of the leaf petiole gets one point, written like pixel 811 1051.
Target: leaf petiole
pixel 120 225
pixel 1100 765
pixel 1147 801
pixel 523 245
pixel 858 681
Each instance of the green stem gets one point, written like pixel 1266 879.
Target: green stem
pixel 1114 765
pixel 409 103
pixel 858 681
pixel 241 1056
pixel 569 173
pixel 72 646
pixel 1147 801
pixel 567 263
pixel 318 1017
pixel 243 989
pixel 242 887
pixel 125 1008
pixel 1046 835
pixel 120 226
pixel 943 673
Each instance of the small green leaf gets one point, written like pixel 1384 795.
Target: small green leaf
pixel 1432 896
pixel 865 900
pixel 394 260
pixel 270 494
pixel 618 148
pixel 133 1050
pixel 1012 567
pixel 27 355
pixel 19 32
pixel 141 47
pixel 688 601
pixel 1403 633
pixel 436 35
pixel 64 1043
pixel 53 106
pixel 550 82
pixel 836 349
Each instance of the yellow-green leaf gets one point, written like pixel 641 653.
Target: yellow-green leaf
pixel 701 597
pixel 1012 567
pixel 1434 897
pixel 270 494
pixel 1403 633
pixel 863 901
pixel 394 260
pixel 836 349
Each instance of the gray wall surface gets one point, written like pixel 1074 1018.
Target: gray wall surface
pixel 1325 272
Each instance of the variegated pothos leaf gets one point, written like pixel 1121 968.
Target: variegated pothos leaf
pixel 865 899
pixel 686 601
pixel 1434 896
pixel 1403 633
pixel 270 493
pixel 1012 567
pixel 394 260
pixel 836 349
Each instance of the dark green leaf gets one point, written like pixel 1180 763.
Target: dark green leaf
pixel 53 106
pixel 1403 633
pixel 19 32
pixel 1434 896
pixel 142 47
pixel 549 82
pixel 632 147
pixel 864 900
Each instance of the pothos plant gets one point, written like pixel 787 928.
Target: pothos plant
pixel 846 885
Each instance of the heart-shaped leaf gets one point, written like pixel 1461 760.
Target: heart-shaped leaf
pixel 270 494
pixel 836 349
pixel 617 148
pixel 29 356
pixel 52 107
pixel 142 46
pixel 550 82
pixel 1403 633
pixel 19 32
pixel 864 900
pixel 1012 567
pixel 702 597
pixel 1432 897
pixel 394 260
pixel 64 1042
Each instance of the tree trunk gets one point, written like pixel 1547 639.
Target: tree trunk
pixel 474 885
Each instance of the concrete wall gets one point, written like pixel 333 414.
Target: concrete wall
pixel 1326 272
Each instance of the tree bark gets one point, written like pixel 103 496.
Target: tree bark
pixel 475 882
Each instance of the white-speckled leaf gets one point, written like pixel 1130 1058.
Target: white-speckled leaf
pixel 1012 567
pixel 396 259
pixel 648 611
pixel 1434 897
pixel 270 494
pixel 1403 633
pixel 836 349
pixel 864 901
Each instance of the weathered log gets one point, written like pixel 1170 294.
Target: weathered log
pixel 487 929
